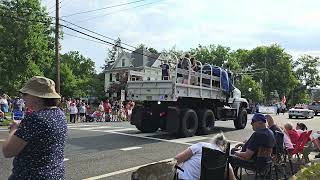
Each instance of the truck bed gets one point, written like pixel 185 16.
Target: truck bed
pixel 168 90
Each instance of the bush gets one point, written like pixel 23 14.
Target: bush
pixel 310 173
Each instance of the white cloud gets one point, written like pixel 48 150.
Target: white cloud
pixel 237 24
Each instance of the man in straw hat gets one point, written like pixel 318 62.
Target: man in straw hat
pixel 37 142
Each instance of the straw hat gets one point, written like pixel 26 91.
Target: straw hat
pixel 40 87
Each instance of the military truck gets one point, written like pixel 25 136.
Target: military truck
pixel 188 101
pixel 315 106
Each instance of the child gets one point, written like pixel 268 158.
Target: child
pixel 82 111
pixel 98 115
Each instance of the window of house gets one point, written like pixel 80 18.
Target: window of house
pixel 110 77
pixel 123 62
pixel 117 77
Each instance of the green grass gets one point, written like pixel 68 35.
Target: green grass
pixel 5 122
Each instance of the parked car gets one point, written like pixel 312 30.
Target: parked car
pixel 315 106
pixel 300 112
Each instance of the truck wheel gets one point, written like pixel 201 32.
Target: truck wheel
pixel 241 121
pixel 189 123
pixel 136 115
pixel 148 126
pixel 290 116
pixel 143 120
pixel 206 121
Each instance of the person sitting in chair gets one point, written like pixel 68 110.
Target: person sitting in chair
pixel 256 151
pixel 191 158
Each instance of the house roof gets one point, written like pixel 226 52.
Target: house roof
pixel 137 58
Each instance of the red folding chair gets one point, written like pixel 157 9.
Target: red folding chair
pixel 299 147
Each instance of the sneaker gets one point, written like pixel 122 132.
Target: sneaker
pixel 317 156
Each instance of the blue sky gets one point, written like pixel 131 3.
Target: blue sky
pixel 186 23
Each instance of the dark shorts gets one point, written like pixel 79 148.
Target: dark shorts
pixel 82 114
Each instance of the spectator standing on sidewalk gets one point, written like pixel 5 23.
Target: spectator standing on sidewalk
pixel 107 110
pixel 4 105
pixel 37 142
pixel 73 110
pixel 82 111
pixel 78 104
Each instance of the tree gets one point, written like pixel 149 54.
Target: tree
pixel 97 85
pixel 113 53
pixel 150 49
pixel 307 70
pixel 77 74
pixel 210 54
pixel 250 89
pixel 276 72
pixel 116 87
pixel 173 53
pixel 27 43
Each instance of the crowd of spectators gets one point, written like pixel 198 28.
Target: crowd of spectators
pixel 253 153
pixel 82 111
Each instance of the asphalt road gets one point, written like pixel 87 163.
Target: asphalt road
pixel 114 150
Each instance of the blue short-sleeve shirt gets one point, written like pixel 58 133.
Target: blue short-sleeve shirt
pixel 45 132
pixel 260 138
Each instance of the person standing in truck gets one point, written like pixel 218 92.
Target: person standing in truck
pixel 165 70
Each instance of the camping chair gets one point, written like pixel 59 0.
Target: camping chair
pixel 214 163
pixel 280 155
pixel 261 170
pixel 156 171
pixel 300 146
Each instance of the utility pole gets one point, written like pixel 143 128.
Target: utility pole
pixel 265 80
pixel 57 49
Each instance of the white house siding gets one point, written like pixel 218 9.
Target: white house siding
pixel 127 62
pixel 106 81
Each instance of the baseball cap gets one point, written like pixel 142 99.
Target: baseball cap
pixel 258 117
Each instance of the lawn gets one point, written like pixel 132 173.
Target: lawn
pixel 6 122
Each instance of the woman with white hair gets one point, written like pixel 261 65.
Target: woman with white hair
pixel 37 142
pixel 191 158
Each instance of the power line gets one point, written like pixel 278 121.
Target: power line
pixel 83 33
pixel 84 38
pixel 65 4
pixel 95 33
pixel 114 12
pixel 99 9
pixel 54 7
pixel 110 43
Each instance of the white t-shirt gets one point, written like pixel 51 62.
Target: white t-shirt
pixel 73 110
pixel 192 167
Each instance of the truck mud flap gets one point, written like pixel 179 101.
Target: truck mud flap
pixel 173 120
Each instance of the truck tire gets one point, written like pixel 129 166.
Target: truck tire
pixel 290 116
pixel 188 123
pixel 136 115
pixel 241 121
pixel 145 123
pixel 147 126
pixel 206 121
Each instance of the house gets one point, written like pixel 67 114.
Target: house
pixel 140 60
